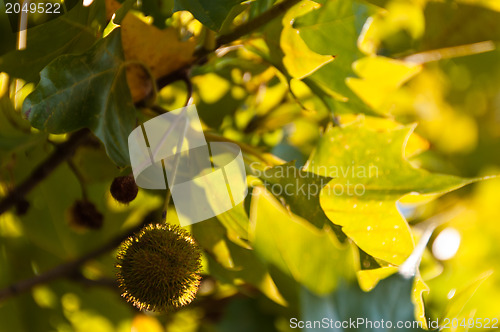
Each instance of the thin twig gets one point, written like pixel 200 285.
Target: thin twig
pixel 79 176
pixel 61 154
pixel 69 269
pixel 65 150
pixel 237 33
pixel 101 282
pixel 268 159
pixel 256 23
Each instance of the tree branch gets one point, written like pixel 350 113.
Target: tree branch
pixel 71 268
pixel 230 37
pixel 267 158
pixel 110 283
pixel 62 153
pixel 65 150
pixel 256 23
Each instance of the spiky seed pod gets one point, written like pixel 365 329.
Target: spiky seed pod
pixel 84 215
pixel 124 189
pixel 158 268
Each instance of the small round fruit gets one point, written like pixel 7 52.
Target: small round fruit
pixel 84 215
pixel 124 189
pixel 158 268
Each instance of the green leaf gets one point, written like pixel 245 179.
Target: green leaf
pixel 300 190
pixel 390 301
pixel 395 300
pixel 454 24
pixel 159 10
pixel 120 14
pixel 369 176
pixel 72 32
pixel 13 312
pixel 381 77
pixel 294 246
pixel 298 59
pixel 333 29
pixel 94 165
pixel 15 133
pixel 231 263
pixel 248 315
pixel 7 35
pixel 462 296
pixel 87 90
pixel 324 78
pixel 236 223
pixel 210 13
pixel 210 236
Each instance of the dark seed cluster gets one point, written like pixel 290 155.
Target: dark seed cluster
pixel 84 215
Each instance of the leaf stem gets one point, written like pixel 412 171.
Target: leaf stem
pixel 80 178
pixel 266 158
pixel 70 268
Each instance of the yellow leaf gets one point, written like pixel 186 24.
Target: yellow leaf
pixel 143 323
pixel 419 288
pixel 299 60
pixel 400 16
pixel 160 51
pixel 415 144
pixel 380 77
pixel 389 72
pixel 273 228
pixel 463 295
pixel 368 279
pixel 369 175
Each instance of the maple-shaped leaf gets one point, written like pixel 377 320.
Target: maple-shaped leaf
pixel 390 302
pixel 395 303
pixel 210 13
pixel 160 50
pixel 300 190
pixel 333 29
pixel 370 175
pixel 73 32
pixel 295 247
pixel 87 90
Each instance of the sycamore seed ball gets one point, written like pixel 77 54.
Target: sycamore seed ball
pixel 158 268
